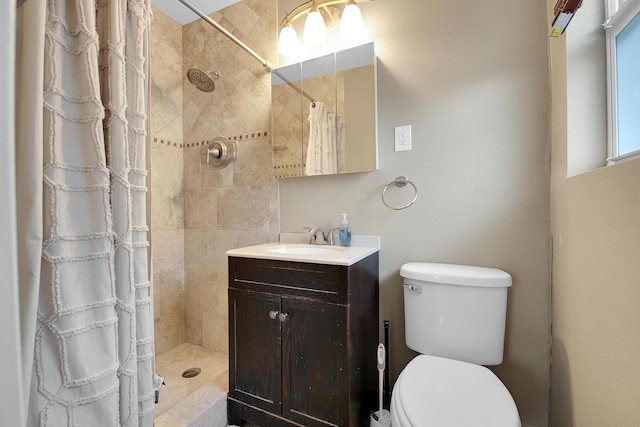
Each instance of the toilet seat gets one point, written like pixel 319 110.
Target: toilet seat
pixel 433 391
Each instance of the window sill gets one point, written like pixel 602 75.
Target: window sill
pixel 623 158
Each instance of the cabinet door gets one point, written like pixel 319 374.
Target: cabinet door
pixel 255 349
pixel 314 356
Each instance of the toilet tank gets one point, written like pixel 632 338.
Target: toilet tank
pixel 455 311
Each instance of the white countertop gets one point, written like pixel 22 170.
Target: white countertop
pixel 315 254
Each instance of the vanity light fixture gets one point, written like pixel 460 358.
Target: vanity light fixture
pixel 288 43
pixel 315 31
pixel 351 25
pixel 319 14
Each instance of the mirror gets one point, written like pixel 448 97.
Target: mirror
pixel 325 115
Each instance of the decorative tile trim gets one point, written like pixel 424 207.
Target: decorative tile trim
pixel 246 136
pixel 288 170
pixel 168 142
pixel 239 138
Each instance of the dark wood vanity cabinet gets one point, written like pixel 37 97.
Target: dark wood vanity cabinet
pixel 302 342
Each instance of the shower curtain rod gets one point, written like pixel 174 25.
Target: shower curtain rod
pixel 250 51
pixel 296 88
pixel 230 36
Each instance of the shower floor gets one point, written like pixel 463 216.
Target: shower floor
pixel 192 402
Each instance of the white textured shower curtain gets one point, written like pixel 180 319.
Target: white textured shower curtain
pixel 86 319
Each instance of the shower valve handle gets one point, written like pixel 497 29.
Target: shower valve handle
pixel 215 152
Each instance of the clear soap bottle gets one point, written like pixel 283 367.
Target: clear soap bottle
pixel 345 232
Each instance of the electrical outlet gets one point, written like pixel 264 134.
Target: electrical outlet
pixel 403 138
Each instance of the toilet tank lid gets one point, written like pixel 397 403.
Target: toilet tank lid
pixel 453 274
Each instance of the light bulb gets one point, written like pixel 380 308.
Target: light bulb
pixel 351 24
pixel 288 44
pixel 315 32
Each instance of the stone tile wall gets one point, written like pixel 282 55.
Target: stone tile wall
pixel 236 206
pixel 199 212
pixel 167 184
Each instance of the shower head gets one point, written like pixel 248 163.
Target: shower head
pixel 201 80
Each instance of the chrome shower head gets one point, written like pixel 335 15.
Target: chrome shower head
pixel 201 80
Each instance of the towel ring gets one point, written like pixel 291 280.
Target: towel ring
pixel 400 182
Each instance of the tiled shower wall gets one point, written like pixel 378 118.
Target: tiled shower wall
pixel 236 206
pixel 216 209
pixel 167 183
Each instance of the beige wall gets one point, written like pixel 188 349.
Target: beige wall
pixel 596 245
pixel 472 80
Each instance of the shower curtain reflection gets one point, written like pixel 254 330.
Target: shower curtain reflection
pixel 325 136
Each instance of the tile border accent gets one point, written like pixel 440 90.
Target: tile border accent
pixel 167 142
pixel 238 138
pixel 288 170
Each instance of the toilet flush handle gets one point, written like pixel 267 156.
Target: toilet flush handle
pixel 415 288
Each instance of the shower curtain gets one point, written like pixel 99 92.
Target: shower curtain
pixel 325 129
pixel 85 294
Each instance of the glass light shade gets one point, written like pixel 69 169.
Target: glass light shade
pixel 288 44
pixel 351 24
pixel 315 32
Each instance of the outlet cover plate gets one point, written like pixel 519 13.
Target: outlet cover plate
pixel 403 138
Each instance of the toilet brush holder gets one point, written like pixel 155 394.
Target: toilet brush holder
pixel 380 419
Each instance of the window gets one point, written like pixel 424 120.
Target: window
pixel 623 78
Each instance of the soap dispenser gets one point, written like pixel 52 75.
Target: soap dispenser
pixel 345 232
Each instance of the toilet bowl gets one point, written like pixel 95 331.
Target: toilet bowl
pixel 455 317
pixel 437 392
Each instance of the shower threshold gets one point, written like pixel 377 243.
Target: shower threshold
pixel 196 401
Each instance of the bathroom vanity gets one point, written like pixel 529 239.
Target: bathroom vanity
pixel 303 335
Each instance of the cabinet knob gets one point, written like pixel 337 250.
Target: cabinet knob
pixel 282 316
pixel 273 314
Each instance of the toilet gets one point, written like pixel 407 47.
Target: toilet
pixel 455 318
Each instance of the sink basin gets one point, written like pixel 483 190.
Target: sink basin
pixel 304 249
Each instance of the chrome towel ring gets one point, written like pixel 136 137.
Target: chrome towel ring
pixel 400 182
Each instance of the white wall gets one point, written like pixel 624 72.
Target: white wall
pixel 472 79
pixel 11 402
pixel 586 89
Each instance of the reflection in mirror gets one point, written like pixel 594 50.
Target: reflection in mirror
pixel 324 115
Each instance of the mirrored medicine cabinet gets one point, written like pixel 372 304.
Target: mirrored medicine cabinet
pixel 324 114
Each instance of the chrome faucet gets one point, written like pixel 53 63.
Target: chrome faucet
pixel 330 235
pixel 326 238
pixel 313 236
